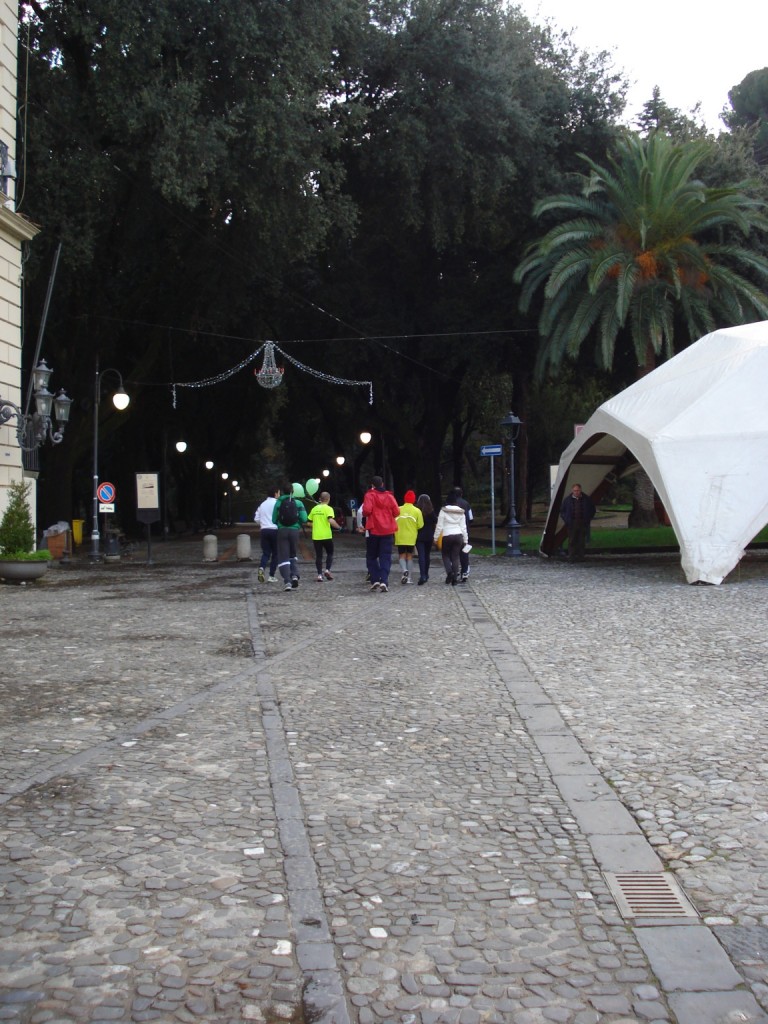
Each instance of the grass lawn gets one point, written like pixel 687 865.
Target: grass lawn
pixel 654 538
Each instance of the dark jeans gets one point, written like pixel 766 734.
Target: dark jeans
pixel 287 540
pixel 423 549
pixel 577 536
pixel 269 550
pixel 451 551
pixel 378 556
pixel 464 559
pixel 320 547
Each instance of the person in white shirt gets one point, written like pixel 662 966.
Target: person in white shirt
pixel 263 516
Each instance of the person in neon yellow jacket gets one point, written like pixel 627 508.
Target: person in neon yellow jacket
pixel 409 522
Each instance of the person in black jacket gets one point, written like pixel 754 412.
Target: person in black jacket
pixel 577 512
pixel 462 502
pixel 425 537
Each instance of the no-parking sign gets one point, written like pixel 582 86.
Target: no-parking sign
pixel 106 493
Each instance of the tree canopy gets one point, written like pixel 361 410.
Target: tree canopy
pixel 224 171
pixel 643 252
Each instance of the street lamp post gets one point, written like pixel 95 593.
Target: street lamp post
pixel 181 447
pixel 210 465
pixel 33 429
pixel 225 477
pixel 120 401
pixel 511 424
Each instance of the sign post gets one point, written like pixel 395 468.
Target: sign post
pixel 492 451
pixel 107 495
pixel 148 504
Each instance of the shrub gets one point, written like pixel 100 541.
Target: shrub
pixel 17 531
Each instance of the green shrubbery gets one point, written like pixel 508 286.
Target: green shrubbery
pixel 17 531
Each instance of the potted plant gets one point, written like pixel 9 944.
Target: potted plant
pixel 18 559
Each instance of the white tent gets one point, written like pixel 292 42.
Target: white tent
pixel 698 425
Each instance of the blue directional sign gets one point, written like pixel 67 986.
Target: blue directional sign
pixel 490 449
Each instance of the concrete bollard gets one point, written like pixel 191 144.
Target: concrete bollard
pixel 210 548
pixel 243 547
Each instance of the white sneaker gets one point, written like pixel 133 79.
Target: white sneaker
pixel 384 589
pixel 319 577
pixel 375 586
pixel 271 579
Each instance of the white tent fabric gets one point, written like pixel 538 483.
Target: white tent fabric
pixel 698 425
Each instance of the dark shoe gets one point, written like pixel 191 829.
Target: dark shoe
pixel 294 582
pixel 287 587
pixel 327 574
pixel 448 578
pixel 421 582
pixel 454 581
pixel 404 580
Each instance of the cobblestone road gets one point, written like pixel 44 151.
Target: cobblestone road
pixel 223 802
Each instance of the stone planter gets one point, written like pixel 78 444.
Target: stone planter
pixel 21 572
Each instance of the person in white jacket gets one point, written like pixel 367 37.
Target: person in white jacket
pixel 263 516
pixel 452 528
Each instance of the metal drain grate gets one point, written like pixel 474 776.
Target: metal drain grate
pixel 641 895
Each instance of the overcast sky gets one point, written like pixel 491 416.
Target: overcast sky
pixel 693 52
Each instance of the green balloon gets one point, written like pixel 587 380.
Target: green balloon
pixel 311 487
pixel 297 490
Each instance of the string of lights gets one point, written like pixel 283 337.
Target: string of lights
pixel 270 375
pixel 329 378
pixel 219 378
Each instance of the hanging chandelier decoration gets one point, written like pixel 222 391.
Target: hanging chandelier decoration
pixel 270 375
pixel 274 373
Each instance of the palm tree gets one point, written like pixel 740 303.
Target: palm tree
pixel 645 248
pixel 643 254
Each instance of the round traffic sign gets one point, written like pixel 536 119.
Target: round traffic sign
pixel 106 493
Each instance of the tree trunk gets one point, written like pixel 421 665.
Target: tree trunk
pixel 643 507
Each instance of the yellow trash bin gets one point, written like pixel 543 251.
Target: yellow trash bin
pixel 77 531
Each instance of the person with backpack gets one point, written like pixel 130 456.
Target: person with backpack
pixel 289 515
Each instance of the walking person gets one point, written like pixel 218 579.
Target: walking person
pixel 462 502
pixel 323 523
pixel 380 510
pixel 425 538
pixel 577 512
pixel 268 535
pixel 289 515
pixel 451 531
pixel 409 522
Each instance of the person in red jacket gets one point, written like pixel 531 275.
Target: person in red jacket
pixel 380 511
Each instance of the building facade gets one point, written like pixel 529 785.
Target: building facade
pixel 15 231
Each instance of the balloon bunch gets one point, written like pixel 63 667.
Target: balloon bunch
pixel 307 491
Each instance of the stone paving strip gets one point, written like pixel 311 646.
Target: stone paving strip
pixel 228 803
pixel 664 685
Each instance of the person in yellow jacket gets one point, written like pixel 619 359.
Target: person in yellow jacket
pixel 409 522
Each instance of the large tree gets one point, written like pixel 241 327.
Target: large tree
pixel 749 109
pixel 643 258
pixel 225 171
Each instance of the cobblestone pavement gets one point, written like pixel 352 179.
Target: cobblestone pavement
pixel 223 802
